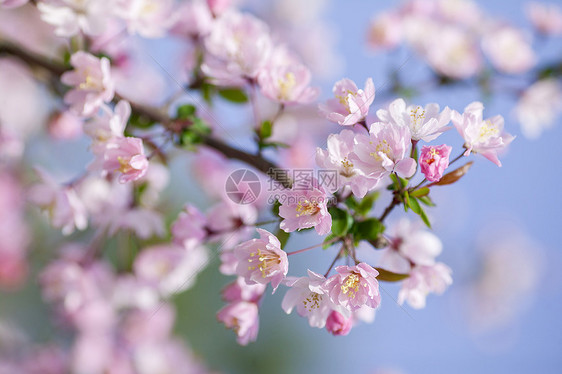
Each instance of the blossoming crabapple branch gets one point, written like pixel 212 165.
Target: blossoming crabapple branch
pixel 257 161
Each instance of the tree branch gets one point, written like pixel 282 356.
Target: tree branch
pixel 58 68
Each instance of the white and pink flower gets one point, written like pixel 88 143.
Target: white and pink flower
pixel 125 156
pixel 384 151
pixel 546 18
pixel 262 260
pixel 91 81
pixel 354 286
pixel 243 318
pixel 508 50
pixel 305 206
pixel 12 3
pixel 189 227
pixel 73 16
pixel 351 104
pixel 486 137
pixel 424 280
pixel 147 18
pixel 424 123
pixel 287 84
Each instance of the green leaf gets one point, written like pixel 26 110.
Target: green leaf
pixel 389 276
pixel 234 95
pixel 283 237
pixel 406 200
pixel 140 121
pixel 351 203
pixel 426 200
pixel 424 191
pixel 366 204
pixel 414 205
pixel 424 218
pixel 185 111
pixel 328 242
pixel 368 229
pixel 266 129
pixel 341 221
pixel 275 208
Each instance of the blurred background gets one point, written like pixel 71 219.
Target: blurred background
pixel 500 227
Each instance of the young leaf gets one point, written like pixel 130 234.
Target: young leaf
pixel 406 201
pixel 234 95
pixel 455 175
pixel 389 276
pixel 414 205
pixel 185 111
pixel 283 237
pixel 424 218
pixel 341 221
pixel 368 229
pixel 266 129
pixel 420 192
pixel 366 204
pixel 329 241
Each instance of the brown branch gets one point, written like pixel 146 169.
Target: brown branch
pixel 58 68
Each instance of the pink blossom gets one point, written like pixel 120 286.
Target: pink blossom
pixel 311 299
pixel 508 50
pixel 434 160
pixel 109 124
pixel 126 156
pixel 148 18
pixel 231 223
pixel 422 281
pixel 65 126
pixel 354 286
pixel 170 268
pixel 262 260
pixel 304 206
pixel 546 18
pixel 337 324
pixel 287 84
pixel 410 244
pixel 64 207
pixel 481 136
pixel 91 81
pixel 424 123
pixel 539 106
pixel 385 31
pixel 336 157
pixel 238 48
pixel 189 226
pixel 12 3
pixel 219 6
pixel 242 317
pixel 239 290
pixel 193 18
pixel 383 151
pixel 351 104
pixel 73 16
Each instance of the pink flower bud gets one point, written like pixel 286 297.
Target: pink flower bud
pixel 434 160
pixel 337 324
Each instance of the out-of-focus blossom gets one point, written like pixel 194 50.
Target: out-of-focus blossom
pixel 384 151
pixel 189 227
pixel 73 16
pixel 12 3
pixel 65 126
pixel 287 84
pixel 336 157
pixel 170 268
pixel 539 106
pixel 239 290
pixel 354 286
pixel 350 104
pixel 231 223
pixel 126 156
pixel 311 299
pixel 64 207
pixel 148 18
pixel 305 206
pixel 11 146
pixel 463 12
pixel 410 245
pixel 434 160
pixel 481 136
pixel 338 324
pixel 422 281
pixel 218 6
pixel 193 18
pixel 239 46
pixel 242 317
pixel 451 51
pixel 508 50
pixel 546 18
pixel 262 260
pixel 91 81
pixel 109 124
pixel 385 31
pixel 424 123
